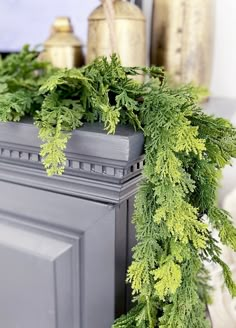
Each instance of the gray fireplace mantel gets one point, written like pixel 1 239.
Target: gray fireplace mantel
pixel 110 160
pixel 65 241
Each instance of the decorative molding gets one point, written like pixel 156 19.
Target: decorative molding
pixel 75 166
pixel 99 167
pixel 102 190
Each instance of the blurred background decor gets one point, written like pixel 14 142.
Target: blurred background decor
pixel 22 21
pixel 63 48
pixel 182 37
pixel 118 27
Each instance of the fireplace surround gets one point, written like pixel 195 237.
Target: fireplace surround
pixel 65 241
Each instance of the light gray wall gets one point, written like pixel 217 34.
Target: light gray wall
pixel 224 63
pixel 29 21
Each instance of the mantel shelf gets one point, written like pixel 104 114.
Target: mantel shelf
pixel 96 162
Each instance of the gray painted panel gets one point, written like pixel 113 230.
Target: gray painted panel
pixel 64 288
pixel 32 243
pixel 67 266
pixel 130 244
pixel 28 280
pixel 44 206
pixel 121 257
pixel 99 274
pixel 97 250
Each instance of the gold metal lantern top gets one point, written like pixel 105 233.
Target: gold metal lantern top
pixel 63 48
pixel 129 29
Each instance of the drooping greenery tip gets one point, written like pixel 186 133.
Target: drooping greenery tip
pixel 185 151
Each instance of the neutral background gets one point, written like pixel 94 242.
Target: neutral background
pixel 28 21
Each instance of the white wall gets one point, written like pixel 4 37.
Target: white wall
pixel 28 21
pixel 224 60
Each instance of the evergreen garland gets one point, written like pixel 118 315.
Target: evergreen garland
pixel 185 151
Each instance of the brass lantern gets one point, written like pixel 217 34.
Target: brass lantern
pixel 130 30
pixel 63 49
